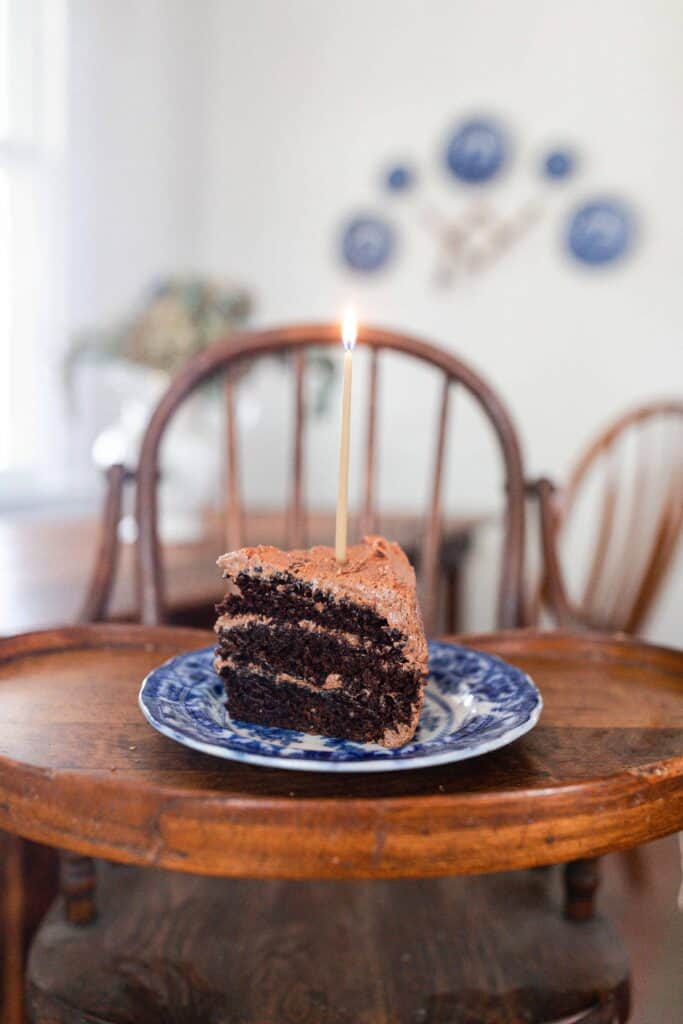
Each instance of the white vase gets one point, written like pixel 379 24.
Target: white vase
pixel 192 456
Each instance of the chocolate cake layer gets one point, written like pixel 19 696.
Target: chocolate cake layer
pixel 382 718
pixel 313 654
pixel 283 596
pixel 377 578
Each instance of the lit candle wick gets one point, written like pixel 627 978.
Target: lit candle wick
pixel 349 333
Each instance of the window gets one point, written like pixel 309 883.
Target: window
pixel 32 134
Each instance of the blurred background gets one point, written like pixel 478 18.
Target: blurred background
pixel 502 179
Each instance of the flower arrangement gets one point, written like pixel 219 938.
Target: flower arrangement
pixel 177 317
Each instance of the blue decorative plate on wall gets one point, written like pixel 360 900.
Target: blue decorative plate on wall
pixel 474 703
pixel 399 178
pixel 476 151
pixel 367 243
pixel 558 164
pixel 600 231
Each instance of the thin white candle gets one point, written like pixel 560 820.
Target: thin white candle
pixel 349 333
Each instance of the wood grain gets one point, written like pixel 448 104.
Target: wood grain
pixel 490 950
pixel 81 769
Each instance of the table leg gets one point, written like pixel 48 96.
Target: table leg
pixel 581 880
pixel 13 967
pixel 453 600
pixel 77 885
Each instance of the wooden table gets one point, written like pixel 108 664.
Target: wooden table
pixel 81 769
pixel 45 564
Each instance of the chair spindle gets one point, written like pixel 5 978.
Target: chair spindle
pixel 590 599
pixel 638 537
pixel 77 884
pixel 430 550
pixel 296 513
pixel 664 540
pixel 581 880
pixel 368 522
pixel 627 564
pixel 233 509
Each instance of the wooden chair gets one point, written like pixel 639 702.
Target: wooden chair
pixel 431 552
pixel 635 468
pixel 88 974
pixel 221 357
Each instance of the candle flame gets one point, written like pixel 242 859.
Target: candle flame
pixel 349 330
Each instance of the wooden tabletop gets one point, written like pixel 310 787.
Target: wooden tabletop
pixel 45 564
pixel 81 769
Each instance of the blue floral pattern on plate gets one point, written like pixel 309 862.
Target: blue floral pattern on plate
pixel 474 703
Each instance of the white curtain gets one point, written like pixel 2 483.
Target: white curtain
pixel 32 279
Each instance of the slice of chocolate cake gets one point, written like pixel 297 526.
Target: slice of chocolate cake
pixel 306 643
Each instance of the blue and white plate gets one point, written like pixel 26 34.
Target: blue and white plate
pixel 474 703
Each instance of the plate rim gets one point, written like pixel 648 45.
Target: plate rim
pixel 358 766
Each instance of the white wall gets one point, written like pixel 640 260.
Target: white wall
pixel 305 102
pixel 135 131
pixel 235 135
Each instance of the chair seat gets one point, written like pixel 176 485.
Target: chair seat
pixel 184 949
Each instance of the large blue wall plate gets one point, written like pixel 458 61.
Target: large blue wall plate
pixel 368 243
pixel 600 231
pixel 476 151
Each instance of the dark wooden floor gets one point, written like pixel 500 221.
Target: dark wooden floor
pixel 640 898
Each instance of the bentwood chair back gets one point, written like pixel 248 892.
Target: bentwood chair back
pixel 631 478
pixel 223 357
